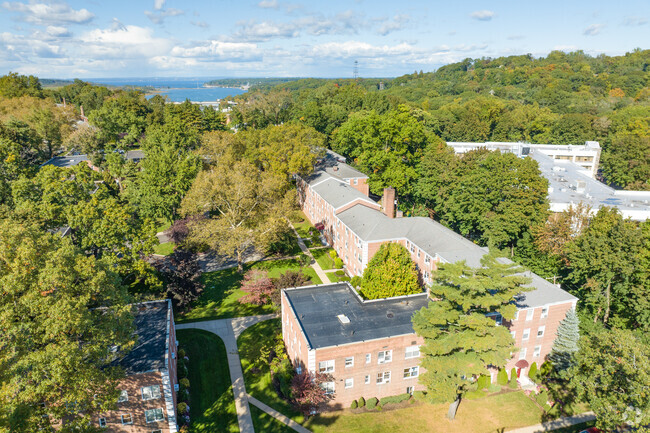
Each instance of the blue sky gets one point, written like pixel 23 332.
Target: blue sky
pixel 261 38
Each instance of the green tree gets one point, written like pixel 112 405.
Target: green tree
pixel 612 373
pixel 460 338
pixel 565 345
pixel 60 314
pixel 390 272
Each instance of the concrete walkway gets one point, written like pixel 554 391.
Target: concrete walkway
pixel 556 424
pixel 228 330
pixel 314 263
pixel 277 415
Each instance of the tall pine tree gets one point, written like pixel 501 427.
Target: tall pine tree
pixel 461 340
pixel 566 342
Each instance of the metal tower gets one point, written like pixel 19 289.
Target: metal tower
pixel 355 71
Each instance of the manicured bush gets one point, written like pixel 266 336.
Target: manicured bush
pixel 181 353
pixel 502 377
pixel 304 260
pixel 184 382
pixel 420 395
pixel 181 370
pixel 340 273
pixel 513 378
pixel 394 399
pixel 182 408
pixel 483 381
pixel 473 395
pixel 183 395
pixel 355 281
pixel 372 403
pixel 333 254
pixel 354 405
pixel 533 372
pixel 338 263
pixel 494 387
pixel 362 402
pixel 541 398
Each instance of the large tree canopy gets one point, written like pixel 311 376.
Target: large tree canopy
pixel 390 272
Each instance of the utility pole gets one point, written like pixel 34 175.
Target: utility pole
pixel 355 71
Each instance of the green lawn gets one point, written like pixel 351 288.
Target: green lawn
pixel 163 225
pixel 322 256
pixel 212 405
pixel 220 296
pixel 258 383
pixel 491 414
pixel 263 422
pixel 301 224
pixel 164 249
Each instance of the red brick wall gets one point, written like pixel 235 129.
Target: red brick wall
pixel 294 340
pixel 361 185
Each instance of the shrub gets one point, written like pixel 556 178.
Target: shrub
pixel 394 399
pixel 338 263
pixel 354 404
pixel 340 273
pixel 473 395
pixel 333 254
pixel 362 402
pixel 181 408
pixel 494 387
pixel 513 378
pixel 181 353
pixel 184 382
pixel 483 381
pixel 532 372
pixel 181 370
pixel 372 403
pixel 502 377
pixel 355 281
pixel 541 398
pixel 420 395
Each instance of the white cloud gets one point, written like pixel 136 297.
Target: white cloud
pixel 483 15
pixel 158 16
pixel 399 22
pixel 265 30
pixel 44 14
pixel 158 4
pixel 201 24
pixel 122 41
pixel 360 49
pixel 58 31
pixel 635 21
pixel 593 29
pixel 268 4
pixel 218 50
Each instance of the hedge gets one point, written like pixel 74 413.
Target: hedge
pixel 354 405
pixel 483 381
pixel 513 378
pixel 395 399
pixel 372 403
pixel 420 395
pixel 532 372
pixel 502 377
pixel 362 402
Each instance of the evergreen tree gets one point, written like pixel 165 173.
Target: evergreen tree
pixel 566 343
pixel 460 339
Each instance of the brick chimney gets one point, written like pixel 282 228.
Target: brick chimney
pixel 389 202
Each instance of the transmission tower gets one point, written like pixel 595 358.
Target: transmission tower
pixel 355 71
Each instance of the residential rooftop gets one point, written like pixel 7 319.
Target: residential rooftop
pixel 335 165
pixel 318 308
pixel 66 161
pixel 150 320
pixel 336 192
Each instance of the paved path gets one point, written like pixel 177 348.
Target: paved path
pixel 277 415
pixel 314 263
pixel 228 330
pixel 556 424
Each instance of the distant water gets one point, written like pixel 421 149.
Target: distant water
pixel 176 89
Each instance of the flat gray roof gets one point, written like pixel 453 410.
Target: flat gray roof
pixel 66 161
pixel 317 308
pixel 335 165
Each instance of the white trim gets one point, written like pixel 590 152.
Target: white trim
pixel 168 383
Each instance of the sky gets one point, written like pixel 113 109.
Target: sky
pixel 298 38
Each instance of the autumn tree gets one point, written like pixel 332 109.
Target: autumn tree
pixel 461 339
pixel 307 391
pixel 561 228
pixel 390 272
pixel 182 276
pixel 259 288
pixel 61 312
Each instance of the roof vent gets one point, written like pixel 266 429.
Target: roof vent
pixel 390 315
pixel 343 319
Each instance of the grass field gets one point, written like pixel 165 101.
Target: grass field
pixel 220 296
pixel 164 249
pixel 263 422
pixel 322 256
pixel 212 405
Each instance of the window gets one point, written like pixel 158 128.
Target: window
pixel 349 361
pixel 349 383
pixel 544 313
pixel 498 318
pixel 529 314
pixel 124 396
pixel 328 387
pixel 367 379
pixel 156 431
pixel 411 372
pixel 356 181
pixel 410 389
pixel 540 331
pixel 522 353
pixel 537 352
pixel 412 352
pixel 150 392
pixel 384 357
pixel 127 419
pixel 514 334
pixel 383 378
pixel 326 366
pixel 526 334
pixel 427 259
pixel 102 422
pixel 368 358
pixel 298 370
pixel 154 415
pixel 517 315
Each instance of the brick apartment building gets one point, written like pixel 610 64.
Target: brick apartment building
pixel 147 403
pixel 356 226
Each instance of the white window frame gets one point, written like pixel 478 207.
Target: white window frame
pixel 367 380
pixel 410 390
pixel 411 372
pixel 538 351
pixel 368 358
pixel 349 383
pixel 514 334
pixel 526 335
pixel 410 350
pixel 522 353
pixel 529 314
pixel 541 329
pixel 102 421
pixel 349 362
pixel 329 387
pixel 326 366
pixel 544 313
pixel 124 396
pixel 155 411
pixel 384 357
pixel 129 421
pixel 383 378
pixel 150 389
